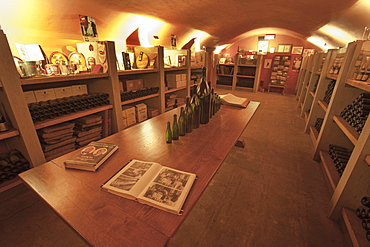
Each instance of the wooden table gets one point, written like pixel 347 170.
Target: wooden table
pixel 104 219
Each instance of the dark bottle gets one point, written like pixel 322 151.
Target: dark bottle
pixel 194 101
pixel 189 116
pixel 168 133
pixel 175 128
pixel 204 98
pixel 365 201
pixel 182 122
pixel 211 103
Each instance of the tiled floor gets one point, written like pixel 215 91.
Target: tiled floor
pixel 268 194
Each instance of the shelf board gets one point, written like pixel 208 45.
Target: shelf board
pixel 9 133
pixel 72 116
pixel 61 78
pixel 241 87
pixel 246 76
pixel 224 75
pixel 329 168
pixel 139 99
pixel 347 129
pixel 312 94
pixel 175 89
pixel 247 65
pixel 359 84
pixel 174 69
pixel 222 85
pixel 313 134
pixel 7 185
pixel 227 64
pixel 354 228
pixel 136 71
pixel 323 105
pixel 332 76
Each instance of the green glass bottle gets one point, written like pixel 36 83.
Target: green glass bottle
pixel 204 98
pixel 168 133
pixel 189 116
pixel 182 122
pixel 194 101
pixel 175 128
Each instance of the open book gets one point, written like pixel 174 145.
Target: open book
pixel 91 157
pixel 232 100
pixel 152 184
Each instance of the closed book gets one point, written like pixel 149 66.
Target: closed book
pixel 91 157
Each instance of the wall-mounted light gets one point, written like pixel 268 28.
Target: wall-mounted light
pixel 270 36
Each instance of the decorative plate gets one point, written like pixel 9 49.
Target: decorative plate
pixel 57 57
pixel 142 61
pixel 77 58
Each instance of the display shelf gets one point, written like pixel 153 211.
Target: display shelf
pixel 330 171
pixel 312 94
pixel 137 71
pixel 62 78
pixel 174 90
pixel 367 159
pixel 323 105
pixel 7 185
pixel 347 129
pixel 9 133
pixel 131 101
pixel 313 134
pixel 356 233
pixel 359 84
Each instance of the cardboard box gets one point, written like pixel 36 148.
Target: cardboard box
pixel 152 112
pixel 44 94
pixel 124 123
pixel 141 112
pixel 29 96
pixel 130 121
pixel 130 111
pixel 124 116
pixel 173 77
pixel 134 85
pixel 61 92
pixel 79 89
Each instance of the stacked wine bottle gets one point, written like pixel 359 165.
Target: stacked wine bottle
pixel 363 213
pixel 340 156
pixel 11 164
pixel 329 92
pixel 139 93
pixel 356 113
pixel 316 83
pixel 58 107
pixel 318 124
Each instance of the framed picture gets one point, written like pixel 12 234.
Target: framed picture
pixel 307 52
pixel 297 50
pixel 267 63
pixel 284 48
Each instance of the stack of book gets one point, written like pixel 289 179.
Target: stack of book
pixel 87 129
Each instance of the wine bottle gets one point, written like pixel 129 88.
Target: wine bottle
pixel 204 98
pixel 182 122
pixel 168 133
pixel 175 128
pixel 211 102
pixel 189 116
pixel 365 201
pixel 194 101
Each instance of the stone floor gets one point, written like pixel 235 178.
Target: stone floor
pixel 268 194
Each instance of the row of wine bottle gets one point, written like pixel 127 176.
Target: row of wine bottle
pixel 245 83
pixel 340 156
pixel 139 93
pixel 363 213
pixel 329 92
pixel 58 107
pixel 318 124
pixel 199 108
pixel 11 164
pixel 356 113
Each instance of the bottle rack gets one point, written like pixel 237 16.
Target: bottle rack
pixel 23 132
pixel 301 77
pixel 279 73
pixel 242 73
pixel 306 81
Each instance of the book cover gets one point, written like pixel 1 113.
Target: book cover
pixel 152 184
pixel 91 156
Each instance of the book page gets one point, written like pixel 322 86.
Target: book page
pixel 132 179
pixel 230 99
pixel 168 190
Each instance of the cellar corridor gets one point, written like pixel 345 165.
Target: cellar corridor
pixel 269 193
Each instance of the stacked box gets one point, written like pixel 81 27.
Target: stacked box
pixel 175 80
pixel 57 140
pixel 129 116
pixel 133 85
pixel 141 112
pixel 88 129
pixel 152 112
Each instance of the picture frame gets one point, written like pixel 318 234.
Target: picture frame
pixel 284 48
pixel 297 50
pixel 307 52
